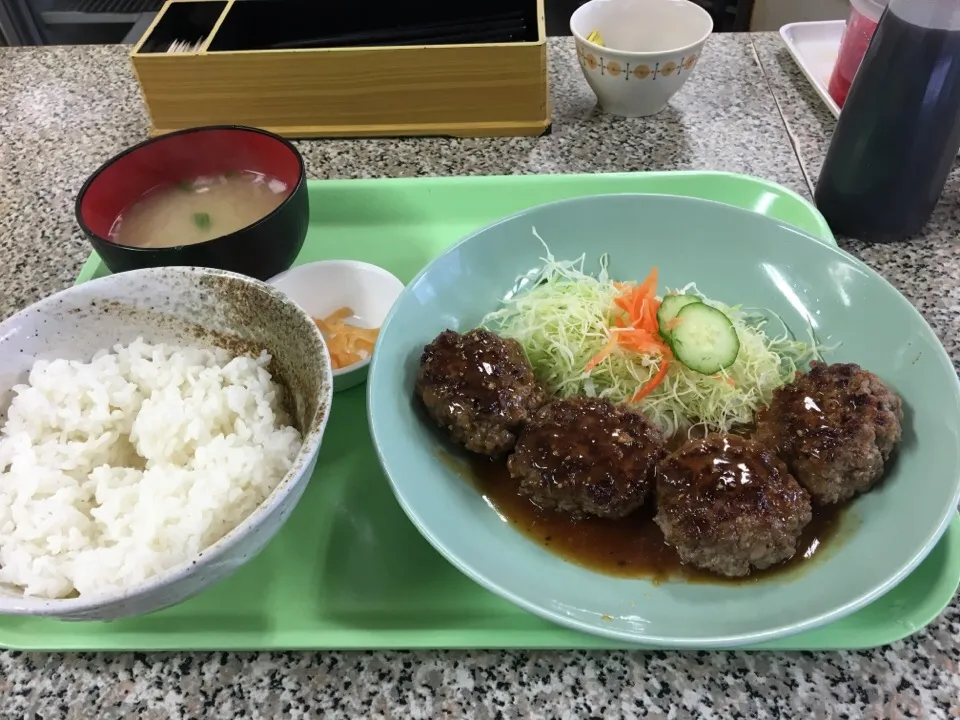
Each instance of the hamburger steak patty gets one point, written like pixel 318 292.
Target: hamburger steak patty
pixel 587 456
pixel 835 427
pixel 728 504
pixel 478 387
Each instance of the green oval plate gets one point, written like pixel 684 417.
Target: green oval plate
pixel 736 257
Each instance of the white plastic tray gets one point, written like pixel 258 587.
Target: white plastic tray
pixel 815 45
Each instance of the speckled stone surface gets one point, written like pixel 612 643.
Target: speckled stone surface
pixel 65 110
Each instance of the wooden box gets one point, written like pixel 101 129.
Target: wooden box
pixel 234 74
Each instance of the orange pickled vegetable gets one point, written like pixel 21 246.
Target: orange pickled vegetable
pixel 347 343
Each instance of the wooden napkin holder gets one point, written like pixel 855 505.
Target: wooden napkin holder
pixel 496 89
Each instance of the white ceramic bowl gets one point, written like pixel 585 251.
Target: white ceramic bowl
pixel 324 286
pixel 185 305
pixel 650 49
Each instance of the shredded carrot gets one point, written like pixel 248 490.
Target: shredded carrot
pixel 602 355
pixel 649 286
pixel 635 329
pixel 637 339
pixel 653 382
pixel 347 343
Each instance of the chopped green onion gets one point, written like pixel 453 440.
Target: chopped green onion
pixel 201 220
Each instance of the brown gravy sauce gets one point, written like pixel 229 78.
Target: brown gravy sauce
pixel 630 547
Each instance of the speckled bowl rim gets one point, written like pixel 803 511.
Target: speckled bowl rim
pixel 311 437
pixel 92 178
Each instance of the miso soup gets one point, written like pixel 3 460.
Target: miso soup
pixel 197 210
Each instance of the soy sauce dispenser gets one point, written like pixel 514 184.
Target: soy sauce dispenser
pixel 899 132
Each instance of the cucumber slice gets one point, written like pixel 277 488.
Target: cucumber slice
pixel 669 307
pixel 704 339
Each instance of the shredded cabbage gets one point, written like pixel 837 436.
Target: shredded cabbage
pixel 560 315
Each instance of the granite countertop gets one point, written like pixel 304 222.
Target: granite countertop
pixel 65 110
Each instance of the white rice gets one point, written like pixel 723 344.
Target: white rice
pixel 115 470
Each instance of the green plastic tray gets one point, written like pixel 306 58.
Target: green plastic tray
pixel 348 571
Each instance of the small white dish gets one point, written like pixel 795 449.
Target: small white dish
pixel 323 287
pixel 650 48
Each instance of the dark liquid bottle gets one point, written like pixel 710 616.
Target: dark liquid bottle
pixel 899 132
